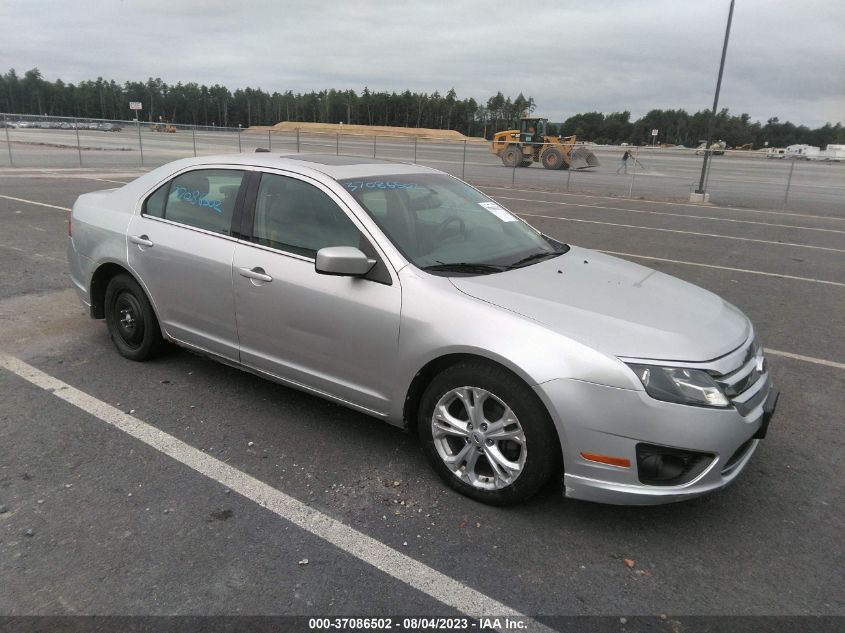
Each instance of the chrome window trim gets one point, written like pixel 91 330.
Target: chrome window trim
pixel 190 228
pixel 142 199
pixel 276 251
pixel 350 213
pixel 279 171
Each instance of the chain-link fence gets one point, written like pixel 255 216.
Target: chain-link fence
pixel 736 178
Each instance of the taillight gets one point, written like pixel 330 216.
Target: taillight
pixel 69 224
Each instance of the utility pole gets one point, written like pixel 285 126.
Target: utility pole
pixel 701 190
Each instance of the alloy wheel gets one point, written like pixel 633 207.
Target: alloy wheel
pixel 479 438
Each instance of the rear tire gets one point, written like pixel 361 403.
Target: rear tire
pixel 512 156
pixel 486 433
pixel 131 321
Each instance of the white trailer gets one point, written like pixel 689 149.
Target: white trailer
pixel 834 152
pixel 804 151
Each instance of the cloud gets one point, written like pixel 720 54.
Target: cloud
pixel 785 59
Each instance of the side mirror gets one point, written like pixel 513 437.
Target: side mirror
pixel 343 260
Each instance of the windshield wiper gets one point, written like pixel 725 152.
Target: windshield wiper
pixel 464 267
pixel 535 257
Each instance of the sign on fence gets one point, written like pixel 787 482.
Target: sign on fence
pixel 134 105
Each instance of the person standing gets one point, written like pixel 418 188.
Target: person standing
pixel 623 163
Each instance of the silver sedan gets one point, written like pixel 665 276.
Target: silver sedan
pixel 405 293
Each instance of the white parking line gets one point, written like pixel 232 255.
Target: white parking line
pixel 678 215
pixel 737 270
pixel 40 204
pixel 58 176
pixel 421 577
pixel 57 173
pixel 674 204
pixel 713 235
pixel 806 359
pixel 81 177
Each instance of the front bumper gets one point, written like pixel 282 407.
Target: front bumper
pixel 592 418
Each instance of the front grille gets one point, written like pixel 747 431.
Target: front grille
pixel 746 385
pixel 752 402
pixel 742 384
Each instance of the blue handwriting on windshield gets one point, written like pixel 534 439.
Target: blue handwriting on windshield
pixel 361 185
pixel 194 197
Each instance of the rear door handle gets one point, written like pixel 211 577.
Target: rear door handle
pixel 141 240
pixel 255 273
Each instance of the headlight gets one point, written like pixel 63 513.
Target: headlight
pixel 684 386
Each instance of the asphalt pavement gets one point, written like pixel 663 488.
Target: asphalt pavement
pixel 97 521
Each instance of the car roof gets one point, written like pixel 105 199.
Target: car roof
pixel 336 167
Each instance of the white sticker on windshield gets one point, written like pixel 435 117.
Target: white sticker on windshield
pixel 498 211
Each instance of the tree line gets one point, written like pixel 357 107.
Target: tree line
pixel 678 127
pixel 216 105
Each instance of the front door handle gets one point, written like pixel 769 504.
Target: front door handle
pixel 140 240
pixel 255 273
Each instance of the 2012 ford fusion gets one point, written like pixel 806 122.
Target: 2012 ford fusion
pixel 405 293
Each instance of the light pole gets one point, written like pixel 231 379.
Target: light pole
pixel 700 191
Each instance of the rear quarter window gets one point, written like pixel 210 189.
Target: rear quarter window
pixel 154 206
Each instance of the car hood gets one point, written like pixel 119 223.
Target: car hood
pixel 619 307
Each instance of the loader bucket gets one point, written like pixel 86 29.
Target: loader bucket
pixel 582 158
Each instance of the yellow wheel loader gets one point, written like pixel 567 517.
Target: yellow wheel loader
pixel 530 144
pixel 163 126
pixel 717 148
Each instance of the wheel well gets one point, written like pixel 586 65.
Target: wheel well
pixel 99 282
pixel 421 380
pixel 425 375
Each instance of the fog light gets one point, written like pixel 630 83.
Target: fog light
pixel 665 466
pixel 661 467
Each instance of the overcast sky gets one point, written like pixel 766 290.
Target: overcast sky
pixel 786 58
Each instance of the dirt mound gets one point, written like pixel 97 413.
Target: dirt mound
pixel 368 130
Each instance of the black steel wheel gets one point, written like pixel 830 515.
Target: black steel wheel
pixel 132 324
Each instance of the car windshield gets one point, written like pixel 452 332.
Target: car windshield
pixel 446 227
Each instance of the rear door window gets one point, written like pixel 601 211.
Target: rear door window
pixel 204 199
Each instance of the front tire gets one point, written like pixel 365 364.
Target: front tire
pixel 553 158
pixel 132 324
pixel 486 433
pixel 512 156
